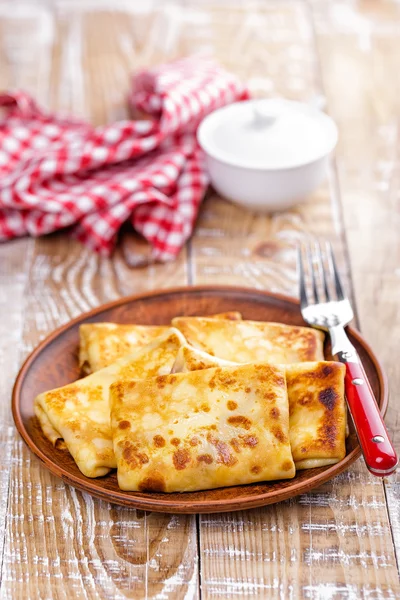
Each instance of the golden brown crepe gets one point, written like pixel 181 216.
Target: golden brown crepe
pixel 191 359
pixel 252 341
pixel 317 406
pixel 79 413
pixel 101 344
pixel 201 430
pixel 317 413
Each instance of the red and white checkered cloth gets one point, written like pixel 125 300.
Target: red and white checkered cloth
pixel 56 172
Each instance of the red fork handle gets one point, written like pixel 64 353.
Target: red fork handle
pixel 379 454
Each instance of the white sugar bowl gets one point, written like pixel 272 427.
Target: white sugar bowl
pixel 267 155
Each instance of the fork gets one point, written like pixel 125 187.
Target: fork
pixel 326 307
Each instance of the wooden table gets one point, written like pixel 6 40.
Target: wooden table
pixel 336 542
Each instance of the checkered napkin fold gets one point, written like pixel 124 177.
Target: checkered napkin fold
pixel 57 172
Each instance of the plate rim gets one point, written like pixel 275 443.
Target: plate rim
pixel 197 506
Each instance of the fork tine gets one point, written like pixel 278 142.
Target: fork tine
pixel 334 272
pixel 323 271
pixel 302 279
pixel 313 274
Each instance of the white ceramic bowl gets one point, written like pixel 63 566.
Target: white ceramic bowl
pixel 267 155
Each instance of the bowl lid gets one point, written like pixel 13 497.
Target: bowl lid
pixel 267 134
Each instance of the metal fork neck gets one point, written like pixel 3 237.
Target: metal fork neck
pixel 341 345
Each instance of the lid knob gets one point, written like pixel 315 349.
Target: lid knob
pixel 262 118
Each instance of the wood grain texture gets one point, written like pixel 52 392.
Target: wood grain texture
pixel 233 246
pixel 366 41
pixel 77 56
pixel 59 541
pixel 13 281
pixel 328 543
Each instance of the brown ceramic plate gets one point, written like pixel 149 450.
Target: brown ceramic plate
pixel 54 363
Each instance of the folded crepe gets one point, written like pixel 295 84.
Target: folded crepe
pixel 202 429
pixel 79 413
pixel 317 413
pixel 191 359
pixel 252 341
pixel 317 407
pixel 101 344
